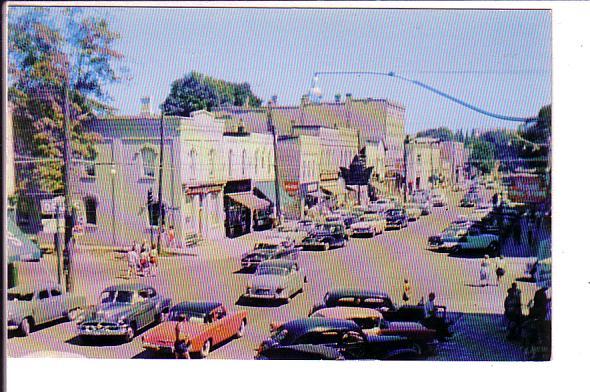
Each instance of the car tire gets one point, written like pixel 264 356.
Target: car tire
pixel 130 333
pixel 241 329
pixel 73 314
pixel 204 351
pixel 25 327
pixel 492 249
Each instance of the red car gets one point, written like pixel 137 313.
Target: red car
pixel 209 324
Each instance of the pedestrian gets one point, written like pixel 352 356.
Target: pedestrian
pixel 144 246
pixel 182 340
pixel 484 274
pixel 500 269
pixel 153 260
pixel 406 294
pixel 144 261
pixel 132 261
pixel 513 311
pixel 432 321
pixel 171 237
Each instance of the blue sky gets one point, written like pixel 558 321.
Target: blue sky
pixel 497 60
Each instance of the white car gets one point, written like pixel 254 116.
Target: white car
pixel 369 224
pixel 380 206
pixel 438 200
pixel 414 211
pixel 292 231
pixel 276 280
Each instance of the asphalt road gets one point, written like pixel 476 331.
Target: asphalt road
pixel 382 262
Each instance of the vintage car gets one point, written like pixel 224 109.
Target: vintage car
pixel 447 238
pixel 438 200
pixel 480 212
pixel 269 249
pixel 300 352
pixel 209 324
pixel 326 236
pixel 292 231
pixel 306 225
pixel 414 211
pixel 372 323
pixel 369 224
pixel 372 299
pixel 470 199
pixel 396 219
pixel 380 206
pixel 342 335
pixel 276 280
pixel 31 306
pixel 123 310
pixel 476 240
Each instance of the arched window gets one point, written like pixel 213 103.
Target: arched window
pixel 193 161
pixel 244 162
pixel 90 208
pixel 230 158
pixel 262 161
pixel 148 159
pixel 211 163
pixel 256 162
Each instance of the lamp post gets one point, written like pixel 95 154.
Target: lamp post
pixel 272 131
pixel 406 142
pixel 113 198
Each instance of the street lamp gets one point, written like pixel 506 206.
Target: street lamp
pixel 113 172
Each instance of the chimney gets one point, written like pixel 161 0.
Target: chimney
pixel 337 98
pixel 145 105
pixel 305 100
pixel 348 96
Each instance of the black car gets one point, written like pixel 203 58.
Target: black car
pixel 342 335
pixel 268 249
pixel 326 236
pixel 372 299
pixel 396 218
pixel 300 352
pixel 349 220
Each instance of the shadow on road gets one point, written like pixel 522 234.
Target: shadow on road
pixel 260 303
pixel 149 354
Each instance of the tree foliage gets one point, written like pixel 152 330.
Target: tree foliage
pixel 442 133
pixel 49 51
pixel 482 154
pixel 196 91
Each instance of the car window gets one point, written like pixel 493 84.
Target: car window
pixel 324 337
pixel 375 302
pixel 107 297
pixel 124 296
pixel 352 337
pixel 55 292
pixel 143 295
pixel 20 297
pixel 348 301
pixel 43 294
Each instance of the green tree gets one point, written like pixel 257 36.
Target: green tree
pixel 196 91
pixel 482 154
pixel 51 50
pixel 442 133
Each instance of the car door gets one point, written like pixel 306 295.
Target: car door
pixel 43 306
pixel 218 321
pixel 58 302
pixel 141 305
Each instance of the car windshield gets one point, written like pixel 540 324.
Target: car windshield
pixel 265 246
pixel 279 335
pixel 192 317
pixel 20 297
pixel 116 296
pixel 262 270
pixel 368 218
pixel 329 228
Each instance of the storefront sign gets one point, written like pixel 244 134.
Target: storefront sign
pixel 202 189
pixel 291 187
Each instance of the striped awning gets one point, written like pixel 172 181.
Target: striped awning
pixel 250 201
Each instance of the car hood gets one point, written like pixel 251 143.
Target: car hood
pixel 361 225
pixel 259 253
pixel 318 234
pixel 107 312
pixel 269 281
pixel 164 333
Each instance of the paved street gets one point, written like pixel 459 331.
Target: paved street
pixel 382 262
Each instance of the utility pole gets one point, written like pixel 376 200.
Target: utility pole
pixel 406 141
pixel 68 215
pixel 160 209
pixel 271 128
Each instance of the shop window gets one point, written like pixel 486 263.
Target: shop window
pixel 148 159
pixel 90 208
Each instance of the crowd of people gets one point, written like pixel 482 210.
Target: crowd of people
pixel 142 261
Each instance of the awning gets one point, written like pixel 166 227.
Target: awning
pixel 20 248
pixel 268 189
pixel 250 201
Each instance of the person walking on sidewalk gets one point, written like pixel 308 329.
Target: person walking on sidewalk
pixel 484 273
pixel 406 294
pixel 500 269
pixel 132 261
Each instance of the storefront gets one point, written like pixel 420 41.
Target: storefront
pixel 203 215
pixel 242 207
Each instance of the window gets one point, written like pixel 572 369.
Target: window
pixel 256 162
pixel 43 294
pixel 243 162
pixel 90 169
pixel 193 161
pixel 55 292
pixel 230 159
pixel 90 208
pixel 211 163
pixel 148 158
pixel 325 337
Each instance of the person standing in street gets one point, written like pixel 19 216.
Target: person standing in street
pixel 182 341
pixel 484 274
pixel 132 261
pixel 406 294
pixel 513 311
pixel 153 260
pixel 432 321
pixel 500 269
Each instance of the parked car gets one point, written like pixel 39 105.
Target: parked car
pixel 306 225
pixel 396 218
pixel 371 224
pixel 349 219
pixel 209 324
pixel 276 280
pixel 470 200
pixel 438 200
pixel 342 335
pixel 333 218
pixel 372 323
pixel 380 206
pixel 268 249
pixel 372 299
pixel 326 236
pixel 425 206
pixel 475 240
pixel 31 306
pixel 292 231
pixel 300 352
pixel 480 212
pixel 414 211
pixel 123 310
pixel 447 238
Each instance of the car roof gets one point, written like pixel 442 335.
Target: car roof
pixel 30 287
pixel 356 292
pixel 281 263
pixel 346 312
pixel 316 324
pixel 196 307
pixel 128 287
